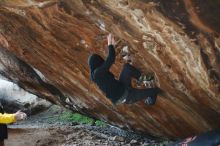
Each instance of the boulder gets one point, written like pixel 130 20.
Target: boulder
pixel 13 98
pixel 45 46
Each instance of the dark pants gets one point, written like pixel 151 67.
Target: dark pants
pixel 3 133
pixel 135 95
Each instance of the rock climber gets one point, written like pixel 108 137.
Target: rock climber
pixel 7 119
pixel 118 91
pixel 210 138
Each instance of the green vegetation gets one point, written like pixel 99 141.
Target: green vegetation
pixel 100 123
pixel 78 118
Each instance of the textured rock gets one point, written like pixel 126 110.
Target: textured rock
pixel 46 46
pixel 14 98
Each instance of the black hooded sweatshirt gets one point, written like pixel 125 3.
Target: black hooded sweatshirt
pixel 101 75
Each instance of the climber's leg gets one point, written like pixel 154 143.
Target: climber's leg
pixel 135 95
pixel 127 73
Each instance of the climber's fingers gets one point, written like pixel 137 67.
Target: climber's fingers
pixel 111 39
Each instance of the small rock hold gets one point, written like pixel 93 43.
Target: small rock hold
pixel 67 100
pixel 133 141
pixel 118 138
pixel 125 49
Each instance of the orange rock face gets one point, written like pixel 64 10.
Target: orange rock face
pixel 45 46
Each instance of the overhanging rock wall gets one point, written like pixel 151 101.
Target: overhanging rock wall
pixel 45 46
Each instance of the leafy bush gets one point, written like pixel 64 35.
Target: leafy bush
pixel 78 118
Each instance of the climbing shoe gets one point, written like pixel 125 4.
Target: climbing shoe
pixel 146 79
pixel 150 100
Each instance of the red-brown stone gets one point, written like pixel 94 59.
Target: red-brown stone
pixel 45 46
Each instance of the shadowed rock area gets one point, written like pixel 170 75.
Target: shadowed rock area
pixel 45 46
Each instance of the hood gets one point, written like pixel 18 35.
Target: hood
pixel 94 61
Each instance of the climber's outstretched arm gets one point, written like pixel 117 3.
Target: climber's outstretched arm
pixel 111 53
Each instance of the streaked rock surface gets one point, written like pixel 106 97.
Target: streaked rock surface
pixel 46 45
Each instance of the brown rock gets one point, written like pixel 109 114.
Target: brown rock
pixel 55 38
